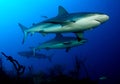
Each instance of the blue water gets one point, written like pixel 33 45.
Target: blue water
pixel 101 52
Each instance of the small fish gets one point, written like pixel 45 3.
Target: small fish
pixel 44 16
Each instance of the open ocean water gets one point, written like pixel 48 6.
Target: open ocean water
pixel 99 57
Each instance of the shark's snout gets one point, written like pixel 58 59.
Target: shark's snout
pixel 102 18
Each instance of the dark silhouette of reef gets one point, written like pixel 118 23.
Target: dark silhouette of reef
pixel 19 68
pixel 7 79
pixel 55 75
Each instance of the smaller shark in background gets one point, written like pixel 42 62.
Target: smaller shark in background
pixel 66 22
pixel 29 54
pixel 59 42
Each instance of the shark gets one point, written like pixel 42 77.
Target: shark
pixel 29 54
pixel 66 22
pixel 59 42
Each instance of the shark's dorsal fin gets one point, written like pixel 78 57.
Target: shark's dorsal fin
pixel 62 11
pixel 58 35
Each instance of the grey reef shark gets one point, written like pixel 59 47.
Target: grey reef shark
pixel 66 22
pixel 29 54
pixel 59 42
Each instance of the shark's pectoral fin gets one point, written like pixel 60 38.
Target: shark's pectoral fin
pixel 67 49
pixel 79 35
pixel 78 38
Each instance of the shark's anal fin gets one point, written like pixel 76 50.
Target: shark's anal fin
pixel 67 49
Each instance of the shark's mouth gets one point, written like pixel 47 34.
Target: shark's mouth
pixel 98 21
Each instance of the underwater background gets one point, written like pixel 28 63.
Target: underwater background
pixel 100 53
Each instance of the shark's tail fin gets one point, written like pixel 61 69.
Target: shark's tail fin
pixel 23 28
pixel 34 51
pixel 50 57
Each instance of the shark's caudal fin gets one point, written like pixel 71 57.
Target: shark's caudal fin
pixel 23 28
pixel 62 11
pixel 50 57
pixel 33 50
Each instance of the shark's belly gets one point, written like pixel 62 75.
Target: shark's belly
pixel 85 25
pixel 63 29
pixel 74 27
